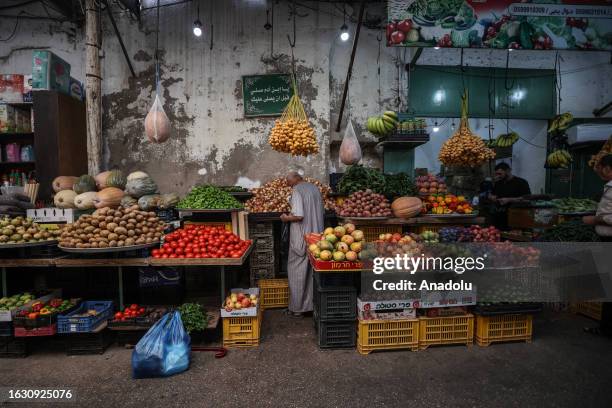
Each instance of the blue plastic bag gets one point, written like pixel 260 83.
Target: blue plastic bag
pixel 164 350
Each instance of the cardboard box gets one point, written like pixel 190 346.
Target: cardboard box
pixel 50 72
pixel 249 311
pixel 67 215
pixel 11 88
pixel 446 298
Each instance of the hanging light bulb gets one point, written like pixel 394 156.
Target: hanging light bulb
pixel 197 25
pixel 435 127
pixel 344 33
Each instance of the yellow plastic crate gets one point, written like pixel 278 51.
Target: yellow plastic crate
pixel 446 330
pixel 242 331
pixel 273 293
pixel 371 233
pixel 588 309
pixel 419 229
pixel 374 335
pixel 500 328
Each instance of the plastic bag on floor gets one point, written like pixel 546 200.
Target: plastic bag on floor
pixel 350 151
pixel 164 350
pixel 157 124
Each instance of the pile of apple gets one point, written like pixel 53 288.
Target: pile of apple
pixel 343 243
pixel 430 184
pixel 239 301
pixel 392 244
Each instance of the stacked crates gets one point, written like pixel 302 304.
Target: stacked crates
pixel 335 309
pixel 262 258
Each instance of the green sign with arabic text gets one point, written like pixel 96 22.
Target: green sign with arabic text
pixel 266 95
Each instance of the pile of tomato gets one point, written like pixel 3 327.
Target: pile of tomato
pixel 130 312
pixel 201 241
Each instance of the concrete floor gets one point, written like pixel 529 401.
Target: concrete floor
pixel 563 367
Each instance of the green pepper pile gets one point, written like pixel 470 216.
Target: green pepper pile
pixel 399 185
pixel 208 197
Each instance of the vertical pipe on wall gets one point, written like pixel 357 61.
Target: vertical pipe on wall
pixel 93 87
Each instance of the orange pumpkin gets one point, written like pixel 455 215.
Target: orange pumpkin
pixel 406 207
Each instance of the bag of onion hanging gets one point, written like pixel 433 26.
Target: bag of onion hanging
pixel 292 133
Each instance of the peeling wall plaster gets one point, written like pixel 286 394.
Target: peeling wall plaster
pixel 202 94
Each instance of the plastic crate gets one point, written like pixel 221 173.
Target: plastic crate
pixel 263 243
pixel 371 233
pixel 68 323
pixel 338 302
pixel 39 331
pixel 446 330
pixel 502 328
pixel 273 293
pixel 88 343
pixel 6 329
pixel 261 272
pixel 331 280
pixel 11 347
pixel 262 258
pixel 374 335
pixel 261 229
pixel 588 309
pixel 335 333
pixel 242 332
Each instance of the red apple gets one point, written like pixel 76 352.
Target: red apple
pixel 405 25
pixel 391 27
pixel 397 37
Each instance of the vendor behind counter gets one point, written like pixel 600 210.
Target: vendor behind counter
pixel 507 189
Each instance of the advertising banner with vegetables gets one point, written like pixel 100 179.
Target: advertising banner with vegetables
pixel 539 25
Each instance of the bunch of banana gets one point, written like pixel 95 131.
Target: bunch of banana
pixel 506 140
pixel 560 122
pixel 558 159
pixel 382 125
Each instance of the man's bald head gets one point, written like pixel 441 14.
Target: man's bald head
pixel 293 178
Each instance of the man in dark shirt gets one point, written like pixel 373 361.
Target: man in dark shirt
pixel 508 188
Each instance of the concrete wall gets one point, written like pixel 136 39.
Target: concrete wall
pixel 201 88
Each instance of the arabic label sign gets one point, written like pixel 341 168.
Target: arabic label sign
pixel 266 95
pixel 500 24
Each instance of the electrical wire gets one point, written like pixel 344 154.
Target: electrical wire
pixel 12 34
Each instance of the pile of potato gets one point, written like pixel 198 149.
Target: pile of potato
pixel 274 196
pixel 110 228
pixel 293 136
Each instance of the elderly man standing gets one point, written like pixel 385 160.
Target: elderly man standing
pixel 306 217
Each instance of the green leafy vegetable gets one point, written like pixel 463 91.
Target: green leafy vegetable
pixel 398 185
pixel 193 316
pixel 357 178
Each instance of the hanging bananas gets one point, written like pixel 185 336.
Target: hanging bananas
pixel 382 125
pixel 506 140
pixel 558 159
pixel 560 122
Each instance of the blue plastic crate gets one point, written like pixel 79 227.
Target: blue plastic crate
pixel 70 324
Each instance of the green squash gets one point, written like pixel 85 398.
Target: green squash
pixel 140 187
pixel 84 184
pixel 116 179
